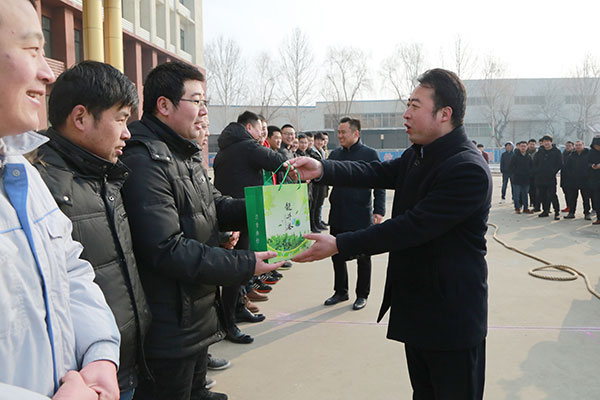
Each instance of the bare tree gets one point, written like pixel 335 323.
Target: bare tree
pixel 551 108
pixel 225 72
pixel 465 61
pixel 498 97
pixel 268 91
pixel 584 90
pixel 297 67
pixel 346 76
pixel 402 68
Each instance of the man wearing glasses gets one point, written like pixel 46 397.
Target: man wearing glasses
pixel 175 215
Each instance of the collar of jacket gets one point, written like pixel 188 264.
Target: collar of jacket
pixel 233 133
pixel 82 160
pixel 173 140
pixel 353 147
pixel 441 146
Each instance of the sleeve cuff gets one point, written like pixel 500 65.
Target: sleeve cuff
pixel 104 350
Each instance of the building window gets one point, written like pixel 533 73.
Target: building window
pixel 46 22
pixel 78 46
pixel 529 100
pixel 475 101
pixel 182 36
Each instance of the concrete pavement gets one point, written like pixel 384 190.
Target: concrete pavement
pixel 543 340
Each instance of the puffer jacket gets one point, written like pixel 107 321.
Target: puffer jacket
pixel 175 215
pixel 87 190
pixel 241 160
pixel 546 164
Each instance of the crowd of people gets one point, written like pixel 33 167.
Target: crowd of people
pixel 532 174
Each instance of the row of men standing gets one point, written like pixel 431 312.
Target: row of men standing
pixel 533 172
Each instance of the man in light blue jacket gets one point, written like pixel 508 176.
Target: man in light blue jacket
pixel 58 337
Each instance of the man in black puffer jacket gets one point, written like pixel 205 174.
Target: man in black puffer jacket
pixel 577 171
pixel 88 109
pixel 546 164
pixel 175 215
pixel 520 164
pixel 239 163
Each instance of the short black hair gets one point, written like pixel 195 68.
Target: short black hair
pixel 319 135
pixel 271 129
pixel 522 141
pixel 96 86
pixel 569 141
pixel 168 80
pixel 309 134
pixel 248 117
pixel 546 137
pixel 261 118
pixel 532 141
pixel 301 136
pixel 353 122
pixel 448 91
pixel 325 134
pixel 287 126
pixel 480 146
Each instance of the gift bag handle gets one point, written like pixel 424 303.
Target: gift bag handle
pixel 287 171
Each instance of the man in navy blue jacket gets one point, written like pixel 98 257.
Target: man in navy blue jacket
pixel 437 274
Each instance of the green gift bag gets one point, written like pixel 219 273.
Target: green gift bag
pixel 278 216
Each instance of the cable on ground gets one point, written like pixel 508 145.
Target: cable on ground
pixel 571 272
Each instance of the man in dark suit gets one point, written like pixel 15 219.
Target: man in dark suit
pixel 437 274
pixel 352 209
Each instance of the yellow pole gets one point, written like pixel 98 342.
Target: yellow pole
pixel 113 33
pixel 93 47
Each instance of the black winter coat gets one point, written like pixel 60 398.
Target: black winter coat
pixel 505 162
pixel 546 164
pixel 175 215
pixel 352 208
pixel 87 190
pixel 520 165
pixel 241 160
pixel 576 170
pixel 594 158
pixel 437 274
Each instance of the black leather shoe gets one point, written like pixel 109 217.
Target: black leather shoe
pixel 321 226
pixel 246 316
pixel 336 298
pixel 236 336
pixel 208 395
pixel 359 304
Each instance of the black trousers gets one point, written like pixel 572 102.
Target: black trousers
pixel 175 379
pixel 596 201
pixel 533 197
pixel 547 195
pixel 318 192
pixel 572 195
pixel 446 375
pixel 232 297
pixel 340 272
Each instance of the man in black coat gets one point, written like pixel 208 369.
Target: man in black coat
pixel 175 215
pixel 437 274
pixel 546 164
pixel 88 109
pixel 520 164
pixel 352 209
pixel 240 163
pixel 534 199
pixel 574 179
pixel 505 169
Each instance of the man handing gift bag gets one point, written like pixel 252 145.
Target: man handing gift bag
pixel 278 217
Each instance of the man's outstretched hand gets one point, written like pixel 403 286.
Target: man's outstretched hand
pixel 261 267
pixel 324 246
pixel 307 167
